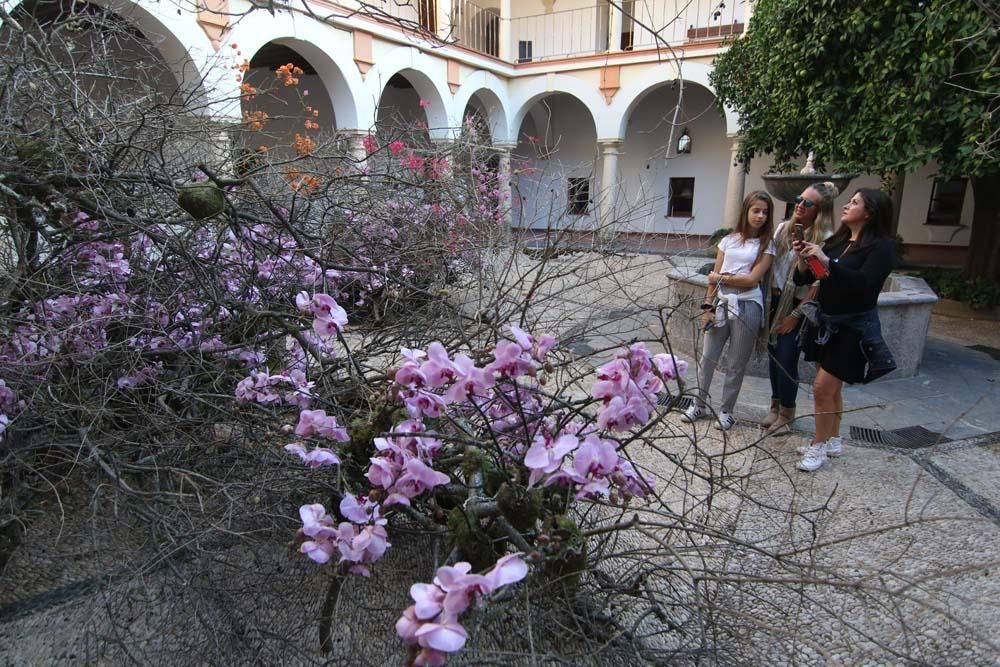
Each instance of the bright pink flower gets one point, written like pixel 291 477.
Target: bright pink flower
pixel 397 147
pixel 370 144
pixel 524 339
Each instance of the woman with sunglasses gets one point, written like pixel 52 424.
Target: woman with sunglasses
pixel 742 261
pixel 845 337
pixel 814 213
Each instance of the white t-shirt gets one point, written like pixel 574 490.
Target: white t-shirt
pixel 738 259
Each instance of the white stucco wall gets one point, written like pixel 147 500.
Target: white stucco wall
pixel 567 130
pixel 647 162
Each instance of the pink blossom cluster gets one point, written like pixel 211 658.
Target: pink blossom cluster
pixel 289 388
pixel 317 424
pixel 596 468
pixel 360 541
pixel 9 405
pixel 402 466
pixel 329 317
pixel 431 623
pixel 628 385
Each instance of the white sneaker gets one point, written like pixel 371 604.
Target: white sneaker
pixel 834 447
pixel 693 413
pixel 815 457
pixel 726 421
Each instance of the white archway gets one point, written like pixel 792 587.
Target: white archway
pixel 344 86
pixel 184 47
pixel 483 86
pixel 427 75
pixel 525 94
pixel 638 87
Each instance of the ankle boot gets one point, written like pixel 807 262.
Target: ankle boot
pixel 772 416
pixel 785 417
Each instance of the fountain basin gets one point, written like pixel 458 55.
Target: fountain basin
pixel 904 308
pixel 787 187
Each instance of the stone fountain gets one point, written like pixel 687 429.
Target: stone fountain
pixel 786 187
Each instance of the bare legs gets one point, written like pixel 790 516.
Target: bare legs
pixel 829 405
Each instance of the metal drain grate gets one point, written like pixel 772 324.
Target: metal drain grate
pixel 909 437
pixel 670 401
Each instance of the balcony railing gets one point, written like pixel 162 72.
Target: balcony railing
pixel 476 27
pixel 580 31
pixel 559 34
pixel 645 24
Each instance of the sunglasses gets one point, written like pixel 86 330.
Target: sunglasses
pixel 808 203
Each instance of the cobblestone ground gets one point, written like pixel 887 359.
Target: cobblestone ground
pixel 878 558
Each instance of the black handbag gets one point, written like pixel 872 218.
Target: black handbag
pixel 878 359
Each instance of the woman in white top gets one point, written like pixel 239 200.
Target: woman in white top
pixel 814 211
pixel 741 263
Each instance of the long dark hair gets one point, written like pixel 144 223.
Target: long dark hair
pixel 878 205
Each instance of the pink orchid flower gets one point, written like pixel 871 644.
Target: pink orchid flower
pixel 319 423
pixel 320 456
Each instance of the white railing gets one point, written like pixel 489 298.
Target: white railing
pixel 559 34
pixel 681 21
pixel 644 24
pixel 476 27
pixel 411 14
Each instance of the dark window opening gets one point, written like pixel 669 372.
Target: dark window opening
pixel 579 196
pixel 626 43
pixel 524 51
pixel 681 204
pixel 947 197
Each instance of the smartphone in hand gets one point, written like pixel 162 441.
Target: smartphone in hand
pixel 816 266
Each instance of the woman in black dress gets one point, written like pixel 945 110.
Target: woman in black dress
pixel 846 337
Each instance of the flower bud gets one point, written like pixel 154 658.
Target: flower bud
pixel 287 429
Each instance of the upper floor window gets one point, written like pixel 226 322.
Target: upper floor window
pixel 947 196
pixel 524 51
pixel 681 200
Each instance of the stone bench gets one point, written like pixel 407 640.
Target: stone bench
pixel 904 307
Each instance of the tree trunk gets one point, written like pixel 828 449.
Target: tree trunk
pixel 893 184
pixel 983 259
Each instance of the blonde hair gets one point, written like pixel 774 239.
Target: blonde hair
pixel 822 227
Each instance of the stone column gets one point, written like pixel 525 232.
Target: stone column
pixel 608 186
pixel 353 145
pixel 735 186
pixel 505 37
